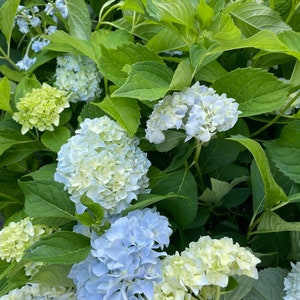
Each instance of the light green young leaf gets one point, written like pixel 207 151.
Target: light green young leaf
pixel 285 151
pixel 115 63
pixel 219 189
pixel 179 11
pixel 204 13
pixel 256 90
pixel 47 198
pixel 62 247
pixel 271 222
pixel 11 74
pixel 111 39
pixel 79 19
pixel 268 286
pixel 291 40
pixel 148 80
pixel 56 138
pixel 124 110
pixel 54 275
pixel 252 17
pixel 63 42
pixel 5 95
pixel 166 40
pixel 183 76
pixel 7 17
pixel 274 194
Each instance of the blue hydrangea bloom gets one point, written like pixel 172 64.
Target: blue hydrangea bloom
pixel 124 262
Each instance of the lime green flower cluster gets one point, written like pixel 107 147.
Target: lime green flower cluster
pixel 204 268
pixel 40 108
pixel 16 237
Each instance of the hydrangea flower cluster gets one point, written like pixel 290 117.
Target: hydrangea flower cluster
pixel 34 291
pixel 102 161
pixel 292 283
pixel 16 237
pixel 79 75
pixel 207 262
pixel 27 17
pixel 57 5
pixel 40 108
pixel 199 110
pixel 124 262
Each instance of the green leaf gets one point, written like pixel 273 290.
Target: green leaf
pixel 145 200
pixel 269 285
pixel 47 199
pixel 11 74
pixel 274 194
pixel 290 40
pixel 63 42
pixel 172 139
pixel 180 182
pixel 5 95
pixel 124 110
pixel 111 39
pixel 115 63
pixel 7 17
pixel 285 151
pixel 183 76
pixel 178 11
pixel 79 19
pixel 205 14
pixel 252 17
pixel 211 72
pixel 56 138
pixel 53 275
pixel 9 138
pixel 148 80
pixel 243 288
pixel 62 247
pixel 166 40
pixel 256 90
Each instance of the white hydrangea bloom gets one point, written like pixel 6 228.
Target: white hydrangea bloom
pixel 79 76
pixel 16 237
pixel 292 283
pixel 199 110
pixel 104 162
pixel 203 266
pixel 34 291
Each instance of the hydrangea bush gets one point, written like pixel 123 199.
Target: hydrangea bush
pixel 149 149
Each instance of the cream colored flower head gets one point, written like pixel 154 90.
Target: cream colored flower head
pixel 16 237
pixel 40 108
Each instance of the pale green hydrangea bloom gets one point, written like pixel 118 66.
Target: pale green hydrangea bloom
pixel 36 291
pixel 16 237
pixel 79 76
pixel 102 161
pixel 292 283
pixel 198 110
pixel 204 266
pixel 40 108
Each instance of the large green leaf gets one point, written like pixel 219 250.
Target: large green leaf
pixel 285 151
pixel 274 194
pixel 115 63
pixel 125 111
pixel 62 247
pixel 269 285
pixel 79 20
pixel 271 222
pixel 182 183
pixel 179 11
pixel 252 17
pixel 56 138
pixel 256 90
pixel 148 80
pixel 7 17
pixel 47 198
pixel 63 42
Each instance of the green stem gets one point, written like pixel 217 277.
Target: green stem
pixel 278 116
pixel 195 162
pixel 218 293
pixel 294 7
pixel 272 4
